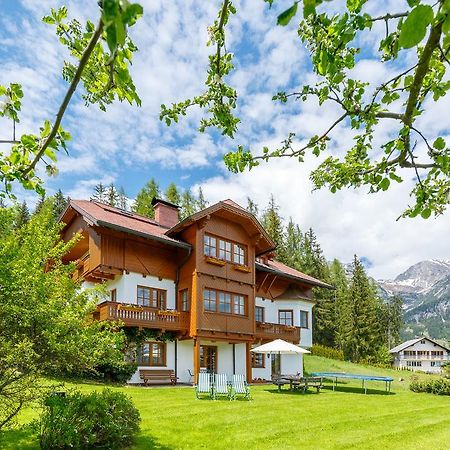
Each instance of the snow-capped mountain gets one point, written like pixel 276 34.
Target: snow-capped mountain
pixel 419 277
pixel 425 289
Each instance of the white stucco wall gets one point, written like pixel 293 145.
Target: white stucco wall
pixel 271 309
pixel 185 360
pixel 126 286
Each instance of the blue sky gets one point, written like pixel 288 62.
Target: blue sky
pixel 129 145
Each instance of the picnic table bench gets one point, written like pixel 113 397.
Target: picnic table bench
pixel 297 382
pixel 160 375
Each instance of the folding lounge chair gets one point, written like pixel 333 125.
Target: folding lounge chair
pixel 220 385
pixel 204 385
pixel 239 387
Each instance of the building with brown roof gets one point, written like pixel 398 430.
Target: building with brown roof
pixel 208 282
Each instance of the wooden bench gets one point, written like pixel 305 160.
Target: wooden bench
pixel 160 375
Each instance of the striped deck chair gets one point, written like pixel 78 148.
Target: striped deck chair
pixel 204 385
pixel 220 385
pixel 239 387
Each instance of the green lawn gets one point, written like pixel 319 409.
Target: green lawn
pixel 172 417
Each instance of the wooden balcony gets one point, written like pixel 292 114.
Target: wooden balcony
pixel 269 331
pixel 142 316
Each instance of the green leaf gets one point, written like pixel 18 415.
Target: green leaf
pixel 439 144
pixel 285 17
pixel 111 38
pixel 415 26
pixel 384 185
pixel 132 13
pixel 426 213
pixel 309 7
pixel 120 31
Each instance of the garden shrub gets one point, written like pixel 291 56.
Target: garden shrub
pixel 119 372
pixel 103 420
pixel 439 386
pixel 327 352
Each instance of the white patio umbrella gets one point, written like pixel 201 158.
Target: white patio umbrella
pixel 281 347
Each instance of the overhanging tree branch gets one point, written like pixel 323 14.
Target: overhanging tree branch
pixel 73 85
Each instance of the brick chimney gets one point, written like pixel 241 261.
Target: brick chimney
pixel 166 213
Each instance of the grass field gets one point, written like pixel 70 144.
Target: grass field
pixel 172 418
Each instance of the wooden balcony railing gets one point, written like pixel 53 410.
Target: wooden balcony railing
pixel 270 331
pixel 424 357
pixel 142 316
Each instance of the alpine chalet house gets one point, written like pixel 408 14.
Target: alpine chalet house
pixel 421 354
pixel 209 280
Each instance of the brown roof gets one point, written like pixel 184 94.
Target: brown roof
pixel 104 215
pixel 277 267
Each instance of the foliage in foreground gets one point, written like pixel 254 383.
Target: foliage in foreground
pixel 45 320
pixel 103 419
pixel 439 386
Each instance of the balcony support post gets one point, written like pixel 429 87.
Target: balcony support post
pixel 196 359
pixel 248 365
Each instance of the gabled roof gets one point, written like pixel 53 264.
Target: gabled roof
pixel 411 342
pixel 278 268
pixel 100 214
pixel 265 243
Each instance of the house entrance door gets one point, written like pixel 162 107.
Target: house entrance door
pixel 208 358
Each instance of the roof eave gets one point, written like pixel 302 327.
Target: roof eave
pixel 144 235
pixel 292 277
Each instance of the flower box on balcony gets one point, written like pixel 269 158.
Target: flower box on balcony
pixel 216 261
pixel 242 268
pixel 263 325
pixel 168 313
pixel 289 328
pixel 130 307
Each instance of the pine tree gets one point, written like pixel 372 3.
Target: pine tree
pixel 272 223
pixel 252 207
pixel 390 318
pixel 100 193
pixel 112 196
pixel 364 336
pixel 122 199
pixel 23 215
pixel 292 254
pixel 59 203
pixel 172 195
pixel 143 202
pixel 39 204
pixel 342 328
pixel 201 203
pixel 188 204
